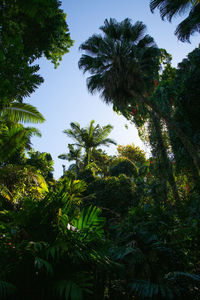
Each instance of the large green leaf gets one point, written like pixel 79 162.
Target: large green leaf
pixel 90 220
pixel 22 112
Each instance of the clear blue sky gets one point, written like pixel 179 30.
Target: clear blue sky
pixel 63 97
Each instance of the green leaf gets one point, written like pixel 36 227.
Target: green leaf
pixel 90 220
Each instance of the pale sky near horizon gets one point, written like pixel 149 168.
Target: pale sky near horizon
pixel 63 97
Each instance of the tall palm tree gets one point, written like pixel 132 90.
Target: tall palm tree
pixel 123 63
pixel 90 137
pixel 170 8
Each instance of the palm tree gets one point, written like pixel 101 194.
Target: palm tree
pixel 74 154
pixel 123 63
pixel 170 8
pixel 90 137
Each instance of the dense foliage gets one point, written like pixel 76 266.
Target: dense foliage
pixel 116 227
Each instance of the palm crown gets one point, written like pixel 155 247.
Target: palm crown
pixel 89 137
pixel 124 58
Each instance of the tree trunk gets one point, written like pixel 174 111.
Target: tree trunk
pixel 161 149
pixel 186 143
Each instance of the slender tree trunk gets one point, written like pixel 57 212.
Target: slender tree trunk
pixel 161 148
pixel 157 149
pixel 88 156
pixel 184 139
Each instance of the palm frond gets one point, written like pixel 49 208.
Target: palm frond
pixel 170 8
pixel 32 131
pixel 90 220
pixel 190 25
pixel 22 112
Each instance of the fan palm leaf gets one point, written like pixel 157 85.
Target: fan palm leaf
pixel 190 25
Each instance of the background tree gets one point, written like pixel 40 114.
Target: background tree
pixel 102 160
pixel 123 165
pixel 75 154
pixel 135 154
pixel 89 138
pixel 41 161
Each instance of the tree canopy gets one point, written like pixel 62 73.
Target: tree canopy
pixel 29 30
